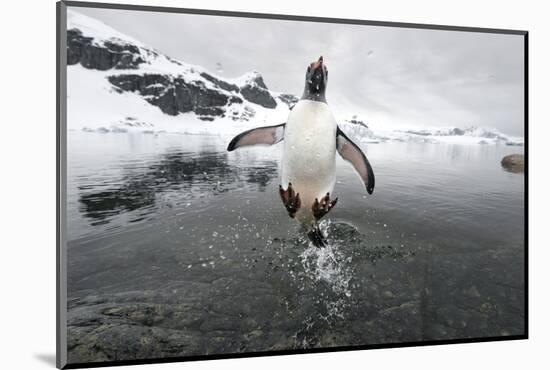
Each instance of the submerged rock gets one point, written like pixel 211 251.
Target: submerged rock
pixel 513 163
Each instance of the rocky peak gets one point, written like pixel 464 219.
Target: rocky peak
pixel 254 89
pixel 253 79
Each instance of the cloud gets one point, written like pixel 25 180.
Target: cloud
pixel 390 75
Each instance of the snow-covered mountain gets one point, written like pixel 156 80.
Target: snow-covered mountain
pixel 118 84
pixel 362 131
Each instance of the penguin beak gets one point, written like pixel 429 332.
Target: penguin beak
pixel 318 64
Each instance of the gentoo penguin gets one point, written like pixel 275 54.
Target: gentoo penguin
pixel 311 139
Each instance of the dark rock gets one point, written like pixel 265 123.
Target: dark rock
pixel 256 91
pixel 130 342
pixel 289 99
pixel 235 100
pixel 174 95
pixel 457 132
pixel 513 163
pixel 210 111
pixel 222 84
pixel 258 95
pixel 492 135
pixel 402 321
pixel 75 43
pixel 257 79
pixel 357 121
pixel 387 294
pixel 81 49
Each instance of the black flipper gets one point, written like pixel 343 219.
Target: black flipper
pixel 353 154
pixel 267 135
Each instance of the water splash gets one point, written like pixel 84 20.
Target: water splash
pixel 331 267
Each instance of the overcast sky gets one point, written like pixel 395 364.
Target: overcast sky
pixel 387 75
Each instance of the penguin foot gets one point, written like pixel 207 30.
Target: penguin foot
pixel 323 207
pixel 290 199
pixel 316 236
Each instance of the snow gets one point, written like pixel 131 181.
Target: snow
pixel 246 79
pixel 374 133
pixel 94 105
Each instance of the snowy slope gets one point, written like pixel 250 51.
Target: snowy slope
pixel 93 104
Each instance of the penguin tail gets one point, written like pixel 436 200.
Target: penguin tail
pixel 316 237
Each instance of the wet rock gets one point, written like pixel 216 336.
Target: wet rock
pixel 513 163
pixel 119 330
pixel 284 343
pixel 402 322
pixel 472 292
pixel 255 334
pixel 220 323
pixel 487 307
pixel 435 296
pixel 387 295
pixel 452 317
pixel 129 342
pixel 435 331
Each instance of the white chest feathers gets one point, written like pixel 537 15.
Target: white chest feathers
pixel 309 151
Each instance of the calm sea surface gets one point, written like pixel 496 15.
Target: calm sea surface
pixel 178 248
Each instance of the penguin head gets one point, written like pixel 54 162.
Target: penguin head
pixel 316 81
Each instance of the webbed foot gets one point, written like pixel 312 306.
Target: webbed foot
pixel 290 199
pixel 323 207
